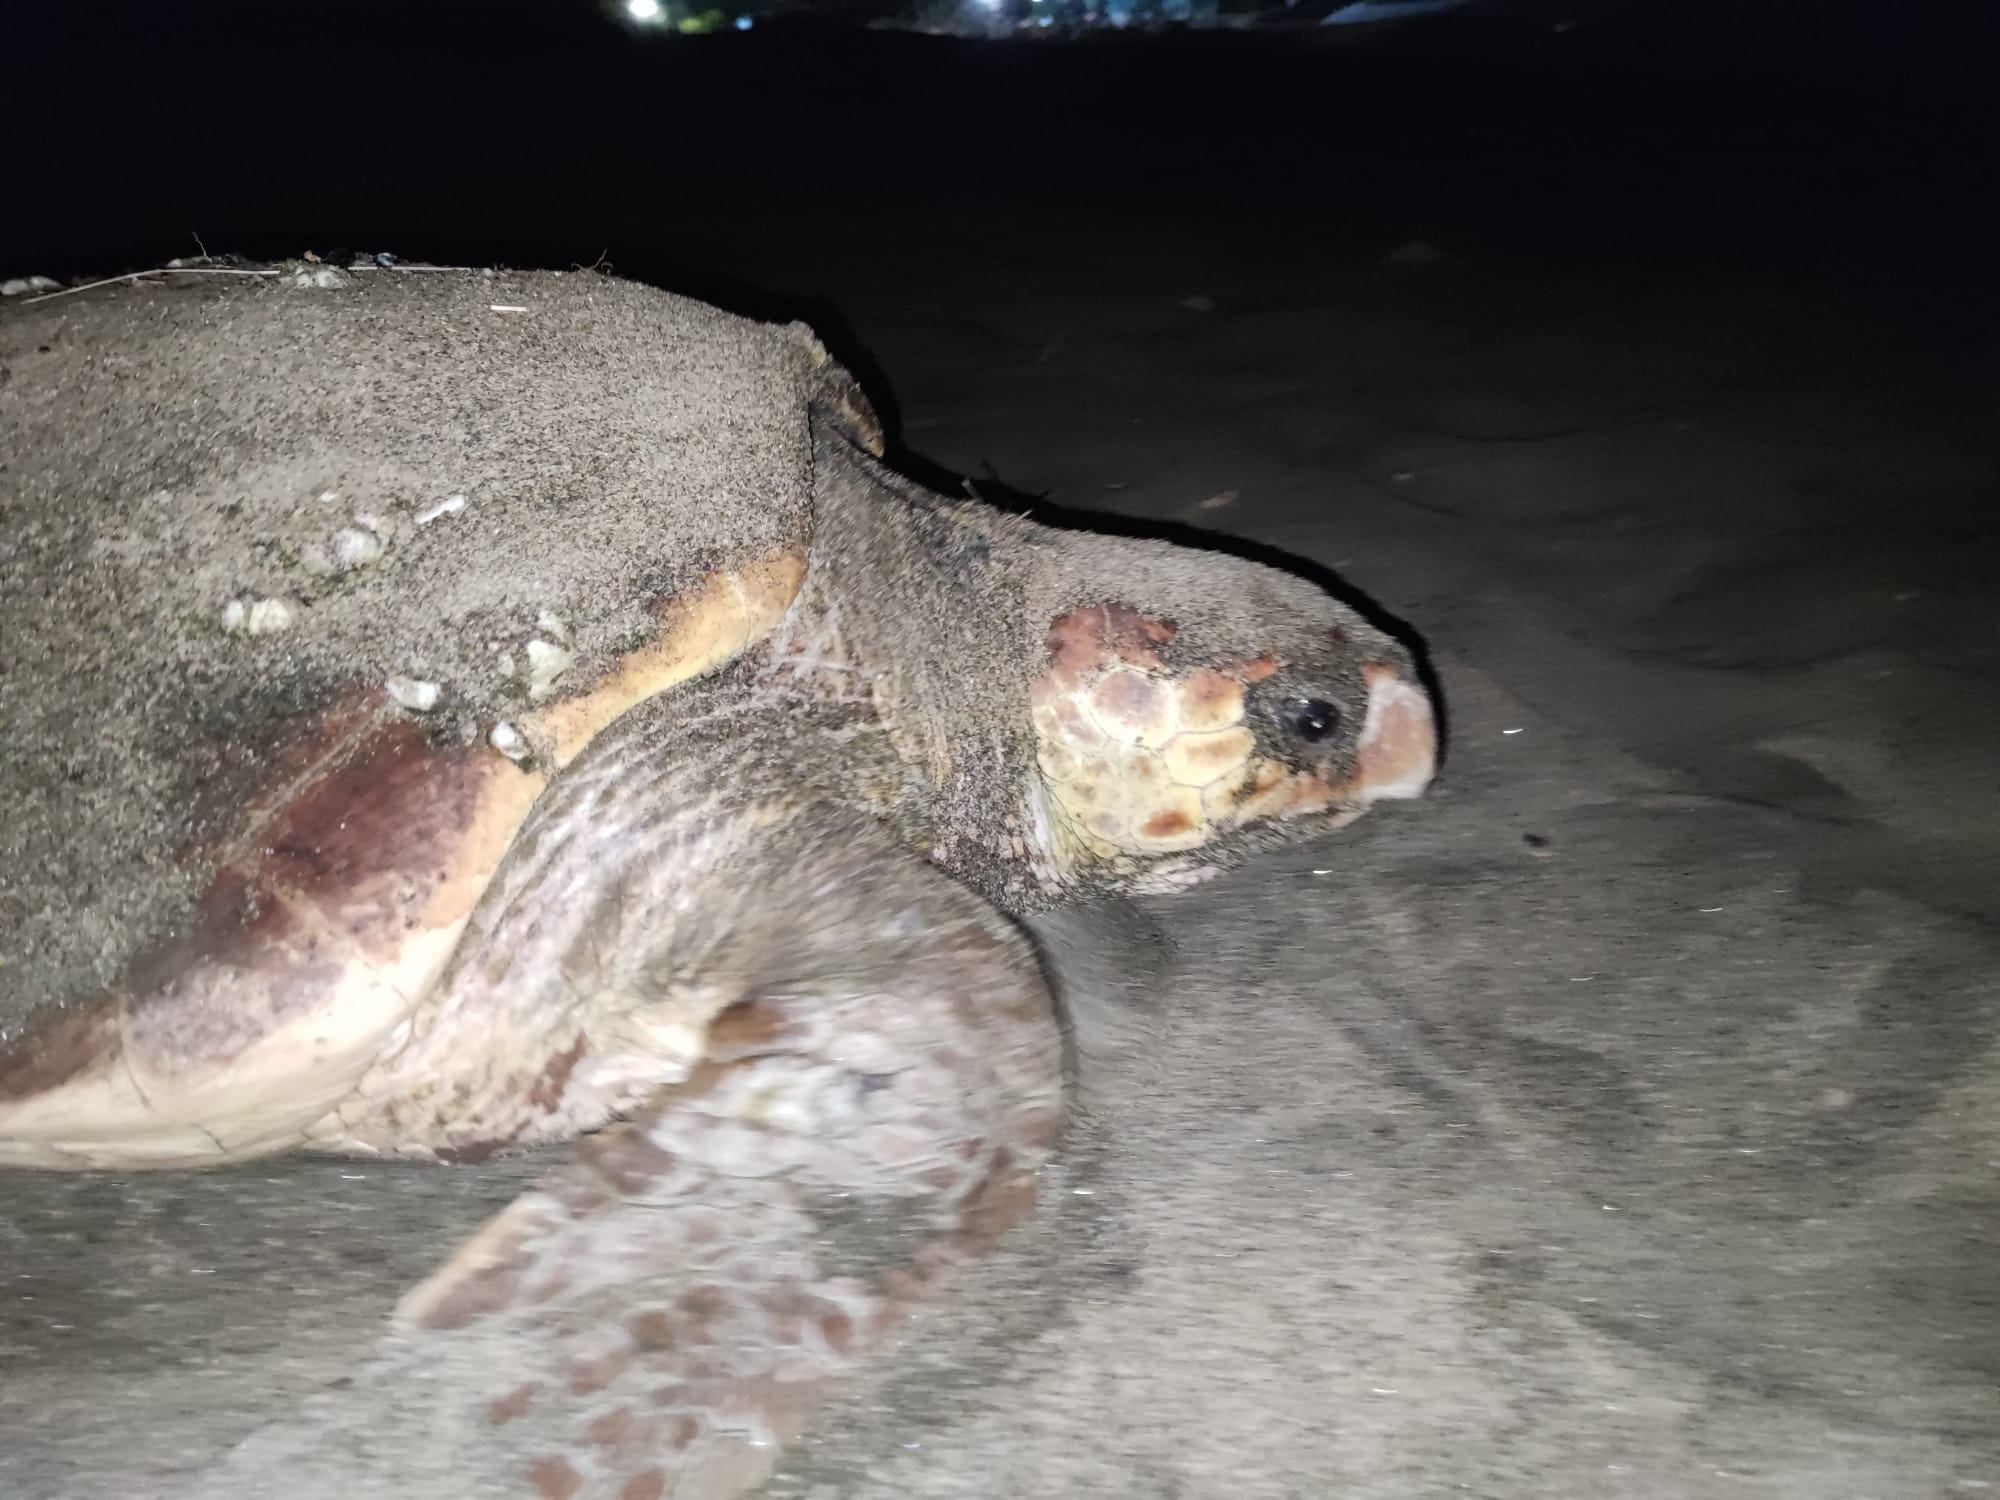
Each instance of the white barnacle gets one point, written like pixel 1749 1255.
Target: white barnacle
pixel 269 616
pixel 505 738
pixel 355 547
pixel 258 616
pixel 546 662
pixel 413 693
pixel 451 505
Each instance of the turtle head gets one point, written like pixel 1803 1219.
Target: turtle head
pixel 1172 733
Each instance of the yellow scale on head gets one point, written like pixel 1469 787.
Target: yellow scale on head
pixel 1141 761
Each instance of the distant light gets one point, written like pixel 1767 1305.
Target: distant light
pixel 989 4
pixel 744 23
pixel 1362 12
pixel 645 12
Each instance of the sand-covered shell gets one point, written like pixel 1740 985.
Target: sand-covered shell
pixel 309 589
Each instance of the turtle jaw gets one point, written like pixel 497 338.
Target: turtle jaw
pixel 1395 759
pixel 1397 756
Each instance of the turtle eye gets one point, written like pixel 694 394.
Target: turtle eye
pixel 1310 719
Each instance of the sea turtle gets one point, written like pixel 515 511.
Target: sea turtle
pixel 447 711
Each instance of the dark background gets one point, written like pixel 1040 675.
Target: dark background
pixel 1840 138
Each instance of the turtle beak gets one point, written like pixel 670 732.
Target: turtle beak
pixel 1398 750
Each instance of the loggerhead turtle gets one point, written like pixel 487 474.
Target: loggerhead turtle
pixel 446 712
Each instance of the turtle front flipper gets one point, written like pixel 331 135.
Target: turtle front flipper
pixel 663 1312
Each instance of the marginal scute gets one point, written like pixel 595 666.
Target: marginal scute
pixel 250 959
pixel 72 1046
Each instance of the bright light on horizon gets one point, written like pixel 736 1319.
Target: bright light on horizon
pixel 645 12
